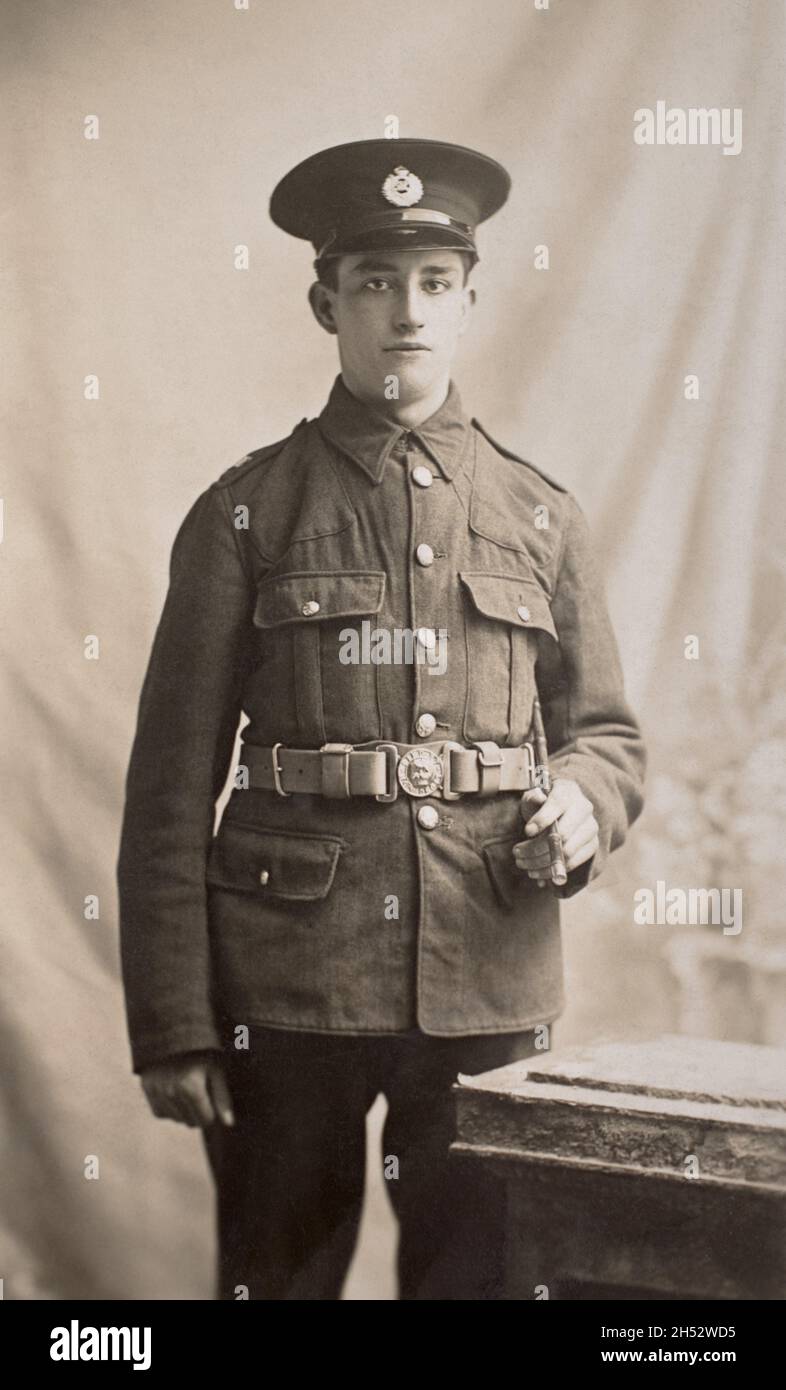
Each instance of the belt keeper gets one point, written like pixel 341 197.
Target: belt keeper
pixel 335 770
pixel 489 766
pixel 277 770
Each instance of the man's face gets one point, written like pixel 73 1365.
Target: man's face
pixel 397 314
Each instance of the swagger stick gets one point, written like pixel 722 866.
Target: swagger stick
pixel 559 873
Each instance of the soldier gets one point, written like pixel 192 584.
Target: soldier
pixel 383 593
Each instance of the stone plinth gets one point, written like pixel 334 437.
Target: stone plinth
pixel 652 1169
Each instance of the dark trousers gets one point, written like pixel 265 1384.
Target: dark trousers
pixel 289 1175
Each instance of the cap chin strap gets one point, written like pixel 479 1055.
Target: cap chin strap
pixel 406 220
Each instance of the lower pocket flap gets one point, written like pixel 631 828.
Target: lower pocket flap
pixel 273 863
pixel 504 873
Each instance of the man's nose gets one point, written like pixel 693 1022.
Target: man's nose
pixel 409 310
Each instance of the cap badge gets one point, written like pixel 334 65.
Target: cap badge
pixel 402 187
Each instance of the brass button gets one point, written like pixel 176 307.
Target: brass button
pixel 422 475
pixel 426 637
pixel 524 613
pixel 428 817
pixel 425 555
pixel 425 725
pixel 310 608
pixel 264 877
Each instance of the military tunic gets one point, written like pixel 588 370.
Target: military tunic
pixel 363 916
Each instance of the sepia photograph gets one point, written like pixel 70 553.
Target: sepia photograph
pixel 392 526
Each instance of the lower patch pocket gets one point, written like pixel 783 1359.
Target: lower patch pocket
pixel 273 863
pixel 508 881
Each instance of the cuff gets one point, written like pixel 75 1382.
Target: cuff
pixel 147 1051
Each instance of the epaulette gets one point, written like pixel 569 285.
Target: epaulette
pixel 249 461
pixel 508 454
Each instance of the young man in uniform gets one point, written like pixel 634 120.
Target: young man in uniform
pixel 383 593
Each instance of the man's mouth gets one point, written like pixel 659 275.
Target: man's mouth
pixel 408 347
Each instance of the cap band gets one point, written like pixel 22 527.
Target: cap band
pixel 381 220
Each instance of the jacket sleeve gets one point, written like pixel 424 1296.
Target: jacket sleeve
pixel 592 734
pixel 189 709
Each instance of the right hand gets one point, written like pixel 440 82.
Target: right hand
pixel 191 1089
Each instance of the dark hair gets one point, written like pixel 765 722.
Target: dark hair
pixel 327 272
pixel 327 269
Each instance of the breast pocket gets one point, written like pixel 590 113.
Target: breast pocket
pixel 307 620
pixel 506 618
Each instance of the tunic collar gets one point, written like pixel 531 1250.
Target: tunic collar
pixel 367 437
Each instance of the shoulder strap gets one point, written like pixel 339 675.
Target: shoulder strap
pixel 508 454
pixel 236 470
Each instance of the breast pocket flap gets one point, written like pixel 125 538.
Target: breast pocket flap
pixel 515 599
pixel 311 597
pixel 273 863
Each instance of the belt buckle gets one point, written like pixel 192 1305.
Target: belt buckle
pixel 421 770
pixel 391 782
pixel 532 766
pixel 424 770
pixel 447 792
pixel 277 770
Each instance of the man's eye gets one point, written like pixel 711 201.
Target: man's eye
pixel 436 286
pixel 378 284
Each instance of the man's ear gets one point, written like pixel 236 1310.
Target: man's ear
pixel 321 300
pixel 469 300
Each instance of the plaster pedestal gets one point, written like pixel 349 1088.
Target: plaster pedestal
pixel 652 1169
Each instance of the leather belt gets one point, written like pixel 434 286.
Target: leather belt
pixel 443 769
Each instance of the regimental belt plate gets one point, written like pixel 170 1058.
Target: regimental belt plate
pixel 421 772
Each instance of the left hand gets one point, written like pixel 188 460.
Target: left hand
pixel 572 811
